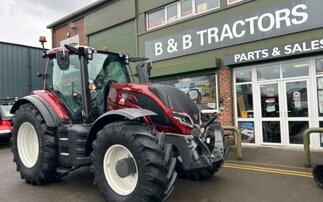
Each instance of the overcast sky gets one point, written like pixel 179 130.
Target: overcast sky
pixel 23 21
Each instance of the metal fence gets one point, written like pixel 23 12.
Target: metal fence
pixel 18 69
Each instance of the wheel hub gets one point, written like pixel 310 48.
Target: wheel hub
pixel 27 144
pixel 126 167
pixel 120 169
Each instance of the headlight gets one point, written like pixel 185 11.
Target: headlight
pixel 183 118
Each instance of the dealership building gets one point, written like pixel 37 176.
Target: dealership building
pixel 260 61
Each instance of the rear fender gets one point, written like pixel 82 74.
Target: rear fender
pixel 49 115
pixel 112 116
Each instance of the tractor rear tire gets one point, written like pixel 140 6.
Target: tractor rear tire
pixel 34 146
pixel 153 169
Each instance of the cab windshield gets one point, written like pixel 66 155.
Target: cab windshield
pixel 103 69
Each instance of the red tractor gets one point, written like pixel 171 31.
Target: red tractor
pixel 134 136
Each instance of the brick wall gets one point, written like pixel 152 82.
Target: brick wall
pixel 225 81
pixel 61 33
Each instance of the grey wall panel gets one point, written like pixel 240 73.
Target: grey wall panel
pixel 113 14
pixel 18 69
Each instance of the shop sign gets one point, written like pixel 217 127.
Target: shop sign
pixel 275 52
pixel 277 20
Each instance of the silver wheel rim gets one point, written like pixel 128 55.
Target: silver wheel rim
pixel 27 143
pixel 122 186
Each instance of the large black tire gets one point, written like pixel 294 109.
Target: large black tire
pixel 155 168
pixel 318 175
pixel 197 174
pixel 39 166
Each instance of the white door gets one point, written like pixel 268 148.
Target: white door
pixel 270 109
pixel 296 114
pixel 284 112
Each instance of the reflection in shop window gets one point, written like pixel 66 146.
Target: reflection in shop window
pixel 201 89
pixel 319 84
pixel 204 5
pixel 243 75
pixel 321 134
pixel 244 101
pixel 319 66
pixel 296 130
pixel 271 132
pixel 156 18
pixel 186 8
pixel 268 72
pixel 295 69
pixel 247 131
pixel 269 100
pixel 172 13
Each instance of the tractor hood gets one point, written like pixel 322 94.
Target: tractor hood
pixel 176 99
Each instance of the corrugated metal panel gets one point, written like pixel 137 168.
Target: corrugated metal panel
pixel 120 39
pixel 18 69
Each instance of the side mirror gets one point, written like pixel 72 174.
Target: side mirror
pixel 142 73
pixel 63 60
pixel 149 68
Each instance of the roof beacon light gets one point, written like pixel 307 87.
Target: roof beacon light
pixel 42 40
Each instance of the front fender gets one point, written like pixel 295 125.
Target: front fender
pixel 45 110
pixel 112 116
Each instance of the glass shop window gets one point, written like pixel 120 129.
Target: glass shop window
pixel 295 69
pixel 156 18
pixel 243 75
pixel 319 66
pixel 201 89
pixel 186 8
pixel 172 13
pixel 247 130
pixel 205 5
pixel 244 101
pixel 268 72
pixel 321 134
pixel 319 84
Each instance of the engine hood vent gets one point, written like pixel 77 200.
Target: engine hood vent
pixel 175 99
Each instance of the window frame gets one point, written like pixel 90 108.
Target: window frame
pixel 179 16
pixel 233 2
pixel 147 18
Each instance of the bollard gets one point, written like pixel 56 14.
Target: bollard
pixel 237 138
pixel 306 141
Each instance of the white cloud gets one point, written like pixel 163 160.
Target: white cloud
pixel 22 22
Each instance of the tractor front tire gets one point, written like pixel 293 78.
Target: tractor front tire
pixel 34 146
pixel 149 173
pixel 199 173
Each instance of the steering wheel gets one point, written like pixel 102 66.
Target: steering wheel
pixel 99 81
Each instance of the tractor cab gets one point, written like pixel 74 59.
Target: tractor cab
pixel 65 80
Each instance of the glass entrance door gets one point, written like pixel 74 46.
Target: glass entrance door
pixel 284 112
pixel 296 115
pixel 270 112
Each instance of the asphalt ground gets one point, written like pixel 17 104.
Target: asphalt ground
pixel 254 179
